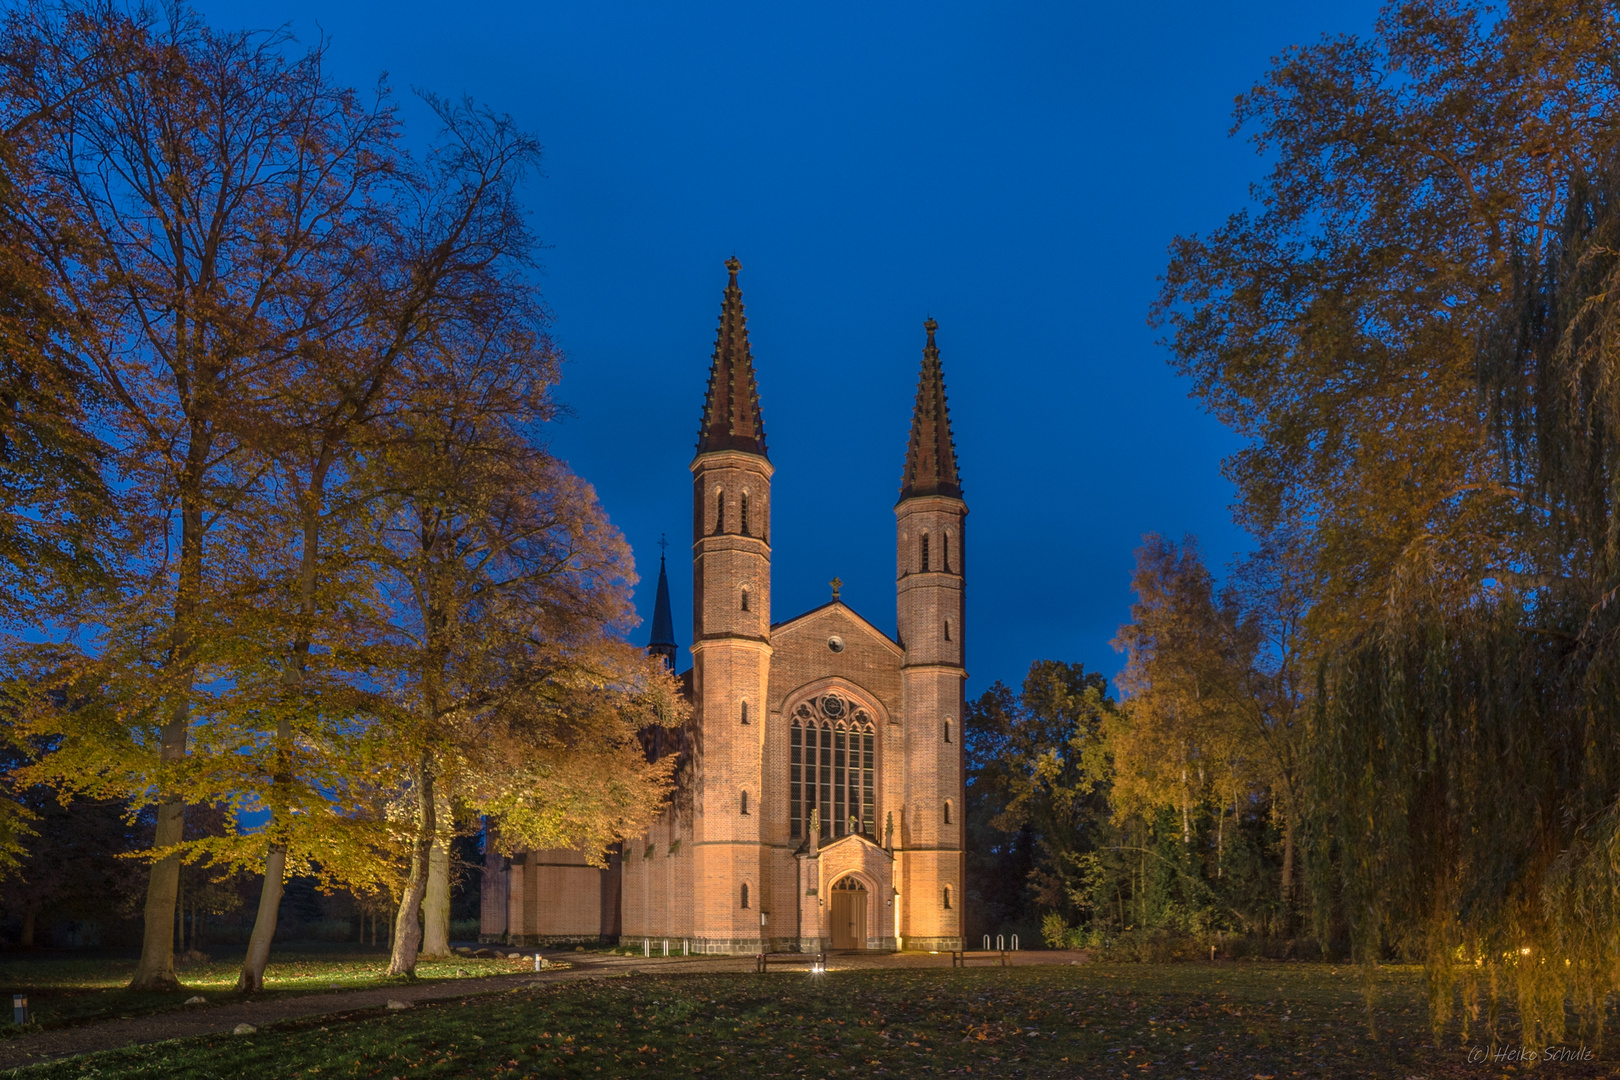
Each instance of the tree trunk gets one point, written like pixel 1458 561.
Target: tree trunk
pixel 407 934
pixel 251 978
pixel 436 903
pixel 313 497
pixel 30 916
pixel 156 968
pixel 1288 875
pixel 1186 800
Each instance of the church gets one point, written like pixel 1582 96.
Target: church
pixel 818 798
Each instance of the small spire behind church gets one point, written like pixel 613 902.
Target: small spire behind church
pixel 731 418
pixel 931 453
pixel 662 642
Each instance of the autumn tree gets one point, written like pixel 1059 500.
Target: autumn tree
pixel 1336 324
pixel 448 260
pixel 202 207
pixel 1214 713
pixel 510 689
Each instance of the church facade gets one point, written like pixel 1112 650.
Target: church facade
pixel 819 794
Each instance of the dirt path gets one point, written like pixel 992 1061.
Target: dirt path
pixel 217 1019
pixel 221 1019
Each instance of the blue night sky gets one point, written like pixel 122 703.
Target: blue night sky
pixel 1014 169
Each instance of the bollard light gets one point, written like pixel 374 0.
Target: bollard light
pixel 19 1008
pixel 537 961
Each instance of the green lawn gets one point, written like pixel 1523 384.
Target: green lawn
pixel 64 990
pixel 1247 1020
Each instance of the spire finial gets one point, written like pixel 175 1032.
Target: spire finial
pixel 663 545
pixel 837 586
pixel 733 265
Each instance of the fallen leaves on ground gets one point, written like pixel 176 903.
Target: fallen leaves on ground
pixel 1230 1021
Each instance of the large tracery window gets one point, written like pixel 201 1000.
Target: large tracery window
pixel 832 758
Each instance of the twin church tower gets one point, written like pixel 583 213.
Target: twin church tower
pixel 819 797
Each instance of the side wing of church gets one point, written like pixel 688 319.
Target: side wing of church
pixel 819 788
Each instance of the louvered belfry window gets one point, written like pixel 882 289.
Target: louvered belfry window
pixel 832 760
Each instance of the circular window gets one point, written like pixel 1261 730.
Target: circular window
pixel 832 706
pixel 835 643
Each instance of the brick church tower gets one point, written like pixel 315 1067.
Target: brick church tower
pixel 930 565
pixel 731 648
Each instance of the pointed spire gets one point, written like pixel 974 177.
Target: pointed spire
pixel 731 419
pixel 931 454
pixel 662 642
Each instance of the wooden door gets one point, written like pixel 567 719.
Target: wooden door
pixel 848 915
pixel 857 920
pixel 842 903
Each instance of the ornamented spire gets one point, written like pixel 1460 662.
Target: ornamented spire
pixel 931 454
pixel 731 419
pixel 662 642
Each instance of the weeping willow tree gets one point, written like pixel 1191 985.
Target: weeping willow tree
pixel 1467 743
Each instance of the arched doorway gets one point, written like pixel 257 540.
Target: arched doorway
pixel 847 924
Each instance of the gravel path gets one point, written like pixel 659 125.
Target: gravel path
pixel 218 1019
pixel 221 1019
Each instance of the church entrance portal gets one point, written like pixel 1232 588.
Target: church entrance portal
pixel 848 922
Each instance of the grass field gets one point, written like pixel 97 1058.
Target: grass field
pixel 1243 1020
pixel 64 990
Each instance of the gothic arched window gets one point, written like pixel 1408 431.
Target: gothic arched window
pixel 744 718
pixel 945 552
pixel 947 629
pixel 924 549
pixel 745 598
pixel 947 897
pixel 947 729
pixel 720 511
pixel 947 811
pixel 832 761
pixel 745 811
pixel 745 895
pixel 742 513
